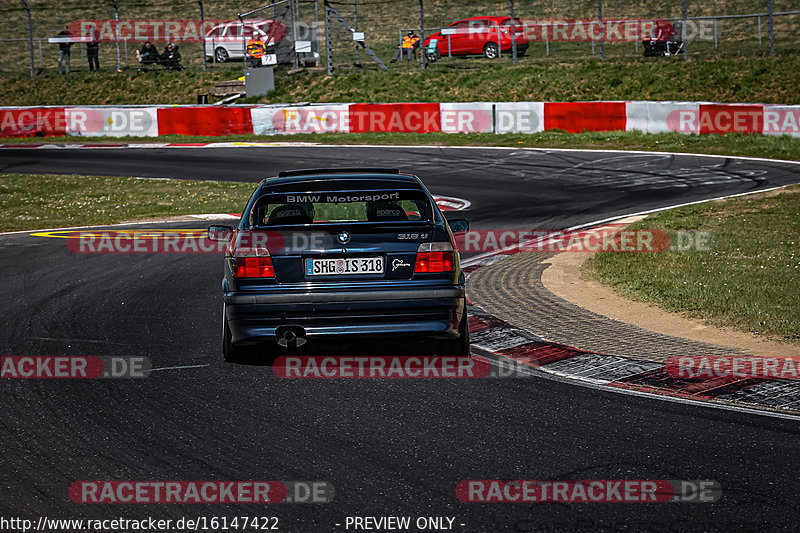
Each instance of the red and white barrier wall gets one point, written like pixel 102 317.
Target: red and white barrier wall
pixel 84 121
pixel 466 117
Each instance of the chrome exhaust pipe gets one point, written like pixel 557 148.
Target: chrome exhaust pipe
pixel 291 336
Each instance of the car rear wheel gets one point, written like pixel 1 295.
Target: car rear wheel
pixel 458 347
pixel 491 51
pixel 221 55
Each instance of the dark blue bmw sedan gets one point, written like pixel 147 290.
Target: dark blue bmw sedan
pixel 335 253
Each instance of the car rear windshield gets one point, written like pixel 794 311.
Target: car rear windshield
pixel 375 206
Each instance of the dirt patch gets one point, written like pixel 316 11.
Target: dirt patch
pixel 565 279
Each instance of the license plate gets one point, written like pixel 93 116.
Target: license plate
pixel 344 266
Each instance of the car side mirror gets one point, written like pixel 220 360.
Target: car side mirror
pixel 459 225
pixel 220 233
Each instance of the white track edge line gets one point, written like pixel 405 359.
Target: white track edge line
pixel 176 367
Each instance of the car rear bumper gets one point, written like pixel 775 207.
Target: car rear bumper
pixel 418 312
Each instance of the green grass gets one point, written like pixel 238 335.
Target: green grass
pixel 770 80
pixel 767 146
pixel 109 88
pixel 750 282
pixel 37 201
pixel 757 80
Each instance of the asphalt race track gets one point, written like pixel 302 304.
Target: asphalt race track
pixel 390 448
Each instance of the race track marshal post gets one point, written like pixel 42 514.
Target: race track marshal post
pixel 258 81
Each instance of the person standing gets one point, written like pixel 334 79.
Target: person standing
pixel 63 50
pixel 256 49
pixel 92 50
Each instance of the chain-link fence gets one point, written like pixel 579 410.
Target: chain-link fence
pixel 365 34
pixel 208 33
pixel 550 31
pixel 288 29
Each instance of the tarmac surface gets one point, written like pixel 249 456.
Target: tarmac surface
pixel 389 447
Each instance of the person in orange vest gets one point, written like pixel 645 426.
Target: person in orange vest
pixel 410 42
pixel 256 49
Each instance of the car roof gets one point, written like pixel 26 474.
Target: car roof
pixel 485 18
pixel 334 179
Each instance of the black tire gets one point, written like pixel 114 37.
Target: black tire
pixel 433 56
pixel 456 347
pixel 491 51
pixel 221 54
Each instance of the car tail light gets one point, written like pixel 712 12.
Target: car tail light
pixel 435 257
pixel 253 267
